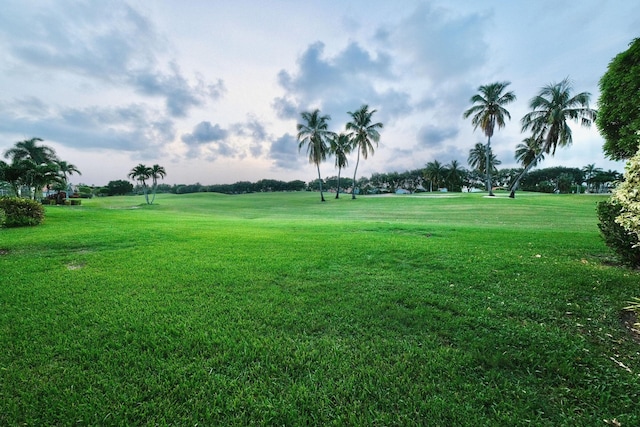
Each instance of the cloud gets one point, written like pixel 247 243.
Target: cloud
pixel 340 83
pixel 126 128
pixel 180 95
pixel 284 152
pixel 436 136
pixel 108 42
pixel 203 133
pixel 435 42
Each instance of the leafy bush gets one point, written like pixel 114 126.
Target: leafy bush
pixel 615 235
pixel 628 196
pixel 21 212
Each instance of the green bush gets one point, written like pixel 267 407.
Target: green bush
pixel 615 235
pixel 21 212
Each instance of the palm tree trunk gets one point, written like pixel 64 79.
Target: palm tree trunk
pixel 338 192
pixel 154 186
pixel 353 188
pixel 488 158
pixel 320 183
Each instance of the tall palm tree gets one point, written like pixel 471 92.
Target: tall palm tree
pixel 528 152
pixel 340 145
pixel 142 173
pixel 434 172
pixel 488 112
pixel 551 109
pixel 314 133
pixel 155 172
pixel 478 159
pixel 363 133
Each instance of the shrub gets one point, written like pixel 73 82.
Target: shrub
pixel 21 212
pixel 628 196
pixel 615 235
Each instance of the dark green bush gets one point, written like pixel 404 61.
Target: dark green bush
pixel 21 212
pixel 615 236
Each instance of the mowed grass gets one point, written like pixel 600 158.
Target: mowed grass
pixel 275 309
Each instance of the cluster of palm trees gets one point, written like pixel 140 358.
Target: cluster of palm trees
pixel 143 174
pixel 33 167
pixel 361 133
pixel 551 109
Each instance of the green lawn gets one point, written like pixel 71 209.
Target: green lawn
pixel 276 309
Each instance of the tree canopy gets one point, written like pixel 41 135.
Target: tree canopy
pixel 618 106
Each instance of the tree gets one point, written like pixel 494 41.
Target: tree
pixel 435 173
pixel 455 175
pixel 340 145
pixel 314 133
pixel 156 172
pixel 142 173
pixel 590 172
pixel 529 152
pixel 363 133
pixel 67 169
pixel 32 165
pixel 478 159
pixel 618 113
pixel 119 187
pixel 488 112
pixel 30 150
pixel 551 109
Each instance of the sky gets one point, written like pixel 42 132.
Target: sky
pixel 212 90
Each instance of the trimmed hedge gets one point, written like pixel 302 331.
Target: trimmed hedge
pixel 21 212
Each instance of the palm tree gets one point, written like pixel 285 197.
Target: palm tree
pixel 478 159
pixel 528 152
pixel 35 164
pixel 455 175
pixel 155 172
pixel 488 112
pixel 434 172
pixel 590 172
pixel 314 134
pixel 141 173
pixel 552 108
pixel 340 145
pixel 30 150
pixel 67 169
pixel 363 133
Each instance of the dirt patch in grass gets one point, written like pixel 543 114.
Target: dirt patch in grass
pixel 629 320
pixel 4 251
pixel 75 266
